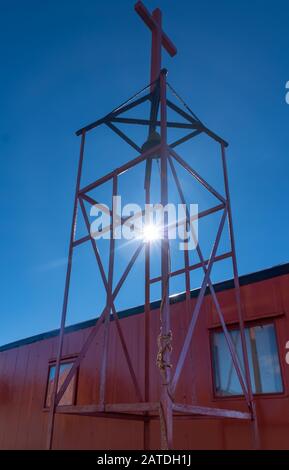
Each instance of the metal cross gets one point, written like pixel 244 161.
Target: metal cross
pixel 159 38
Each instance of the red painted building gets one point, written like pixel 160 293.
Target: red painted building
pixel 208 379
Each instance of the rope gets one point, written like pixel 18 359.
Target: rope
pixel 183 103
pixel 164 345
pixel 133 97
pixel 164 341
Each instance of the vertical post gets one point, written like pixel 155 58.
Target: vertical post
pixel 153 118
pixel 238 300
pixel 156 47
pixel 109 301
pixel 165 332
pixel 187 264
pixel 147 322
pixel 51 416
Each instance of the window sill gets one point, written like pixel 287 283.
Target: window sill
pixel 256 396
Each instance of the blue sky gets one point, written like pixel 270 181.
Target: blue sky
pixel 66 63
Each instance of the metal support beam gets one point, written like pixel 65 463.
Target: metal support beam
pixel 192 267
pixel 118 171
pixel 53 404
pixel 165 327
pixel 123 136
pixel 256 436
pixel 184 139
pixel 148 122
pixel 94 331
pixel 196 312
pixel 210 412
pixel 119 110
pixel 115 315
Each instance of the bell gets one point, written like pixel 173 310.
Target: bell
pixel 153 140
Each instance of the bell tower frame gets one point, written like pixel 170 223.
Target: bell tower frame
pixel 166 408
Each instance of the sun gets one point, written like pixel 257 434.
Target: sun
pixel 151 233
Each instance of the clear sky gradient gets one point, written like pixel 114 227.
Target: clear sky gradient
pixel 66 63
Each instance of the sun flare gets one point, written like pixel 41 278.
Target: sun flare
pixel 151 233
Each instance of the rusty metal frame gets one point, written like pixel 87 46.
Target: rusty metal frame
pixel 165 409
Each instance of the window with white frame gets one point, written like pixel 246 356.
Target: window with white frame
pixel 263 360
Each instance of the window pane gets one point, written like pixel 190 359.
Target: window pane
pixel 67 398
pixel 263 361
pixel 268 360
pixel 226 379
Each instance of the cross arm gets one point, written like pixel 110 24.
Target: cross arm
pixel 145 15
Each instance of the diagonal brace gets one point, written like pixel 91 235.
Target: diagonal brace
pixel 115 315
pixel 95 329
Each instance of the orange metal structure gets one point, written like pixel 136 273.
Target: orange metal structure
pixel 157 147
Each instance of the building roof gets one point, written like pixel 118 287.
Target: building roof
pixel 246 279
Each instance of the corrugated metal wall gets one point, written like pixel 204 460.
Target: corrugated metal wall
pixel 23 378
